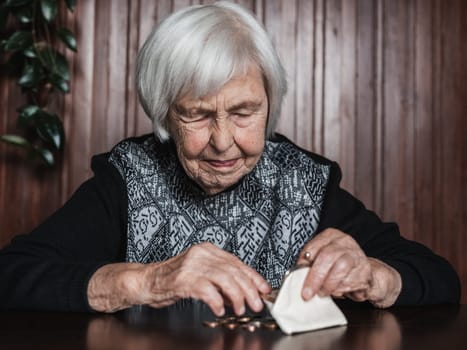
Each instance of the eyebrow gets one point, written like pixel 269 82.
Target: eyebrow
pixel 254 105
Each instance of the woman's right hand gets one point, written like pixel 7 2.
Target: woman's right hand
pixel 204 272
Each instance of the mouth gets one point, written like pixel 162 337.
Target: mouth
pixel 222 164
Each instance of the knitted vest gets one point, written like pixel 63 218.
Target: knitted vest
pixel 264 220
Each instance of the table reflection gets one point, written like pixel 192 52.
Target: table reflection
pixel 380 331
pixel 111 333
pixel 143 329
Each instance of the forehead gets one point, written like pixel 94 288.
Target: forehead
pixel 242 87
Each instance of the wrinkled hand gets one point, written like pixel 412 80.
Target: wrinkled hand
pixel 204 272
pixel 341 269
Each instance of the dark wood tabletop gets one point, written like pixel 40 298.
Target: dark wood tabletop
pixel 181 327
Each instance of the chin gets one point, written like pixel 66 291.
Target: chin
pixel 215 188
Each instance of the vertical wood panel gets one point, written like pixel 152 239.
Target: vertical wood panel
pixel 365 129
pixel 332 78
pixel 132 33
pixel 347 103
pixel 424 146
pixel 304 74
pixel 280 20
pixel 398 115
pixel 461 240
pixel 318 91
pixel 377 85
pixel 78 148
pixel 117 59
pixel 451 100
pixel 379 173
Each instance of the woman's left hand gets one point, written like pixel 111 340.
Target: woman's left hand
pixel 340 268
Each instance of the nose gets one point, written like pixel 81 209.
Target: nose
pixel 222 136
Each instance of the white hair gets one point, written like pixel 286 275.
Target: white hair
pixel 197 50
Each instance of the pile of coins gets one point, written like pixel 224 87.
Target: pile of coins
pixel 249 323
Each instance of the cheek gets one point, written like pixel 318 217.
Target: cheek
pixel 251 142
pixel 192 143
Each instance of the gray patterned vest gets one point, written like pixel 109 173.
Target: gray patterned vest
pixel 264 220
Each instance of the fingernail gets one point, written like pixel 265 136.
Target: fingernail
pixel 241 311
pixel 258 304
pixel 307 293
pixel 221 312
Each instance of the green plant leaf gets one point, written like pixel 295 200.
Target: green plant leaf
pixel 24 14
pixel 28 110
pixel 30 52
pixel 49 9
pixel 14 3
pixel 55 63
pixel 61 67
pixel 59 83
pixel 26 115
pixel 18 40
pixel 70 4
pixel 43 154
pixel 30 76
pixel 49 128
pixel 67 37
pixel 15 140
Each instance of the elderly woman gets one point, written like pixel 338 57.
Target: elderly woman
pixel 213 206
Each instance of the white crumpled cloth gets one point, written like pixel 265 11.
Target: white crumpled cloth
pixel 293 314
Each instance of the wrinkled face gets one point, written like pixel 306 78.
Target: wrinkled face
pixel 220 137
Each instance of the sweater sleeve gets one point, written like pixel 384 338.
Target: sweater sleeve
pixel 50 267
pixel 426 277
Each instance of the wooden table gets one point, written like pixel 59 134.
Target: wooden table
pixel 180 327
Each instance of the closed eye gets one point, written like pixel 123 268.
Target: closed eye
pixel 242 114
pixel 195 118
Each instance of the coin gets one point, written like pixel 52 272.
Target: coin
pixel 269 324
pixel 211 324
pixel 250 327
pixel 244 319
pixel 256 323
pixel 249 323
pixel 230 325
pixel 226 319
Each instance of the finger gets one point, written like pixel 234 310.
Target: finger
pixel 250 292
pixel 359 295
pixel 210 295
pixel 312 248
pixel 260 283
pixel 237 288
pixel 320 270
pixel 340 270
pixel 231 289
pixel 358 279
pixel 249 279
pixel 235 280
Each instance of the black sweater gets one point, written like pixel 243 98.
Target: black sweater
pixel 50 268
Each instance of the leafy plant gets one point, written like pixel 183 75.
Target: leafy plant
pixel 30 52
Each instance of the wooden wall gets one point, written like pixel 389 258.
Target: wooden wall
pixel 378 85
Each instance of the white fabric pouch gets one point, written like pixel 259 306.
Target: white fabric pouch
pixel 294 315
